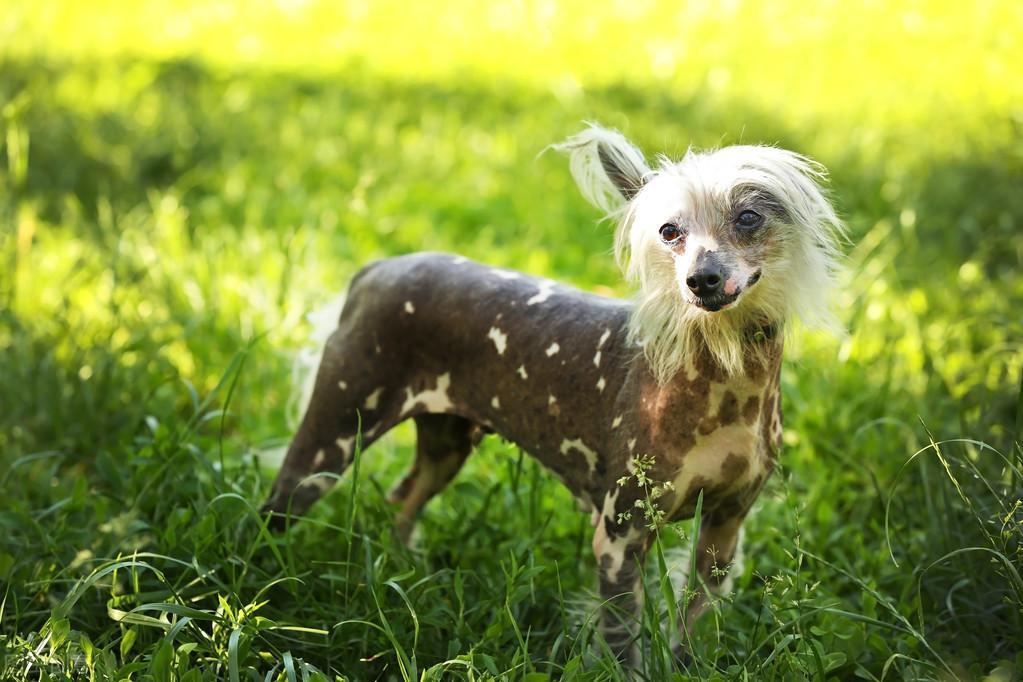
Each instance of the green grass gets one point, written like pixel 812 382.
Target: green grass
pixel 174 202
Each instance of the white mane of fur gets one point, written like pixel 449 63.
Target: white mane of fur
pixel 796 284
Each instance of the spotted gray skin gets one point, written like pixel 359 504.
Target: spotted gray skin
pixel 463 349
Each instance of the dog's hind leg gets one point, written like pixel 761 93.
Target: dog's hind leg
pixel 354 398
pixel 443 442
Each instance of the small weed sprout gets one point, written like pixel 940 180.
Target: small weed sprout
pixel 720 572
pixel 652 491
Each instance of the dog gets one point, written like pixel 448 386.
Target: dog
pixel 645 408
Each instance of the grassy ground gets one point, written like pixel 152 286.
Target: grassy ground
pixel 179 188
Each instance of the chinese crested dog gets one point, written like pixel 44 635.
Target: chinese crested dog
pixel 640 407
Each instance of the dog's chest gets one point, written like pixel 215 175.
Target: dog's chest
pixel 714 434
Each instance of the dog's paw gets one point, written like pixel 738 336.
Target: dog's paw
pixel 683 658
pixel 276 521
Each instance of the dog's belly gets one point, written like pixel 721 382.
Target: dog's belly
pixel 564 425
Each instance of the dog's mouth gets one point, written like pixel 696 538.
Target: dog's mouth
pixel 715 303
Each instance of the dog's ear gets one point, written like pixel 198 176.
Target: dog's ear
pixel 607 167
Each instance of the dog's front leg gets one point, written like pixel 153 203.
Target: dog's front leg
pixel 716 550
pixel 620 553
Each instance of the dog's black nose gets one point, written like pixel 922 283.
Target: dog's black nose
pixel 705 282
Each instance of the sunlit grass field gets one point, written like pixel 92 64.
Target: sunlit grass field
pixel 182 183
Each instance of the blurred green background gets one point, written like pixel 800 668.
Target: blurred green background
pixel 181 183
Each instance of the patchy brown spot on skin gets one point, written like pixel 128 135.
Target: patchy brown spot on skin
pixel 709 369
pixel 771 424
pixel 728 412
pixel 707 427
pixel 733 467
pixel 751 410
pixel 681 416
pixel 615 523
pixel 676 410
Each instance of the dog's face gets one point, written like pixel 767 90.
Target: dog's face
pixel 721 224
pixel 719 220
pixel 718 242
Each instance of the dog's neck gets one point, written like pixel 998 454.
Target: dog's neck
pixel 762 345
pixel 728 344
pixel 702 397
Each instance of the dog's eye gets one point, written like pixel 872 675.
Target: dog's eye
pixel 749 219
pixel 670 232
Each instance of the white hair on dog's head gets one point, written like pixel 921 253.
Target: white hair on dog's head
pixel 782 270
